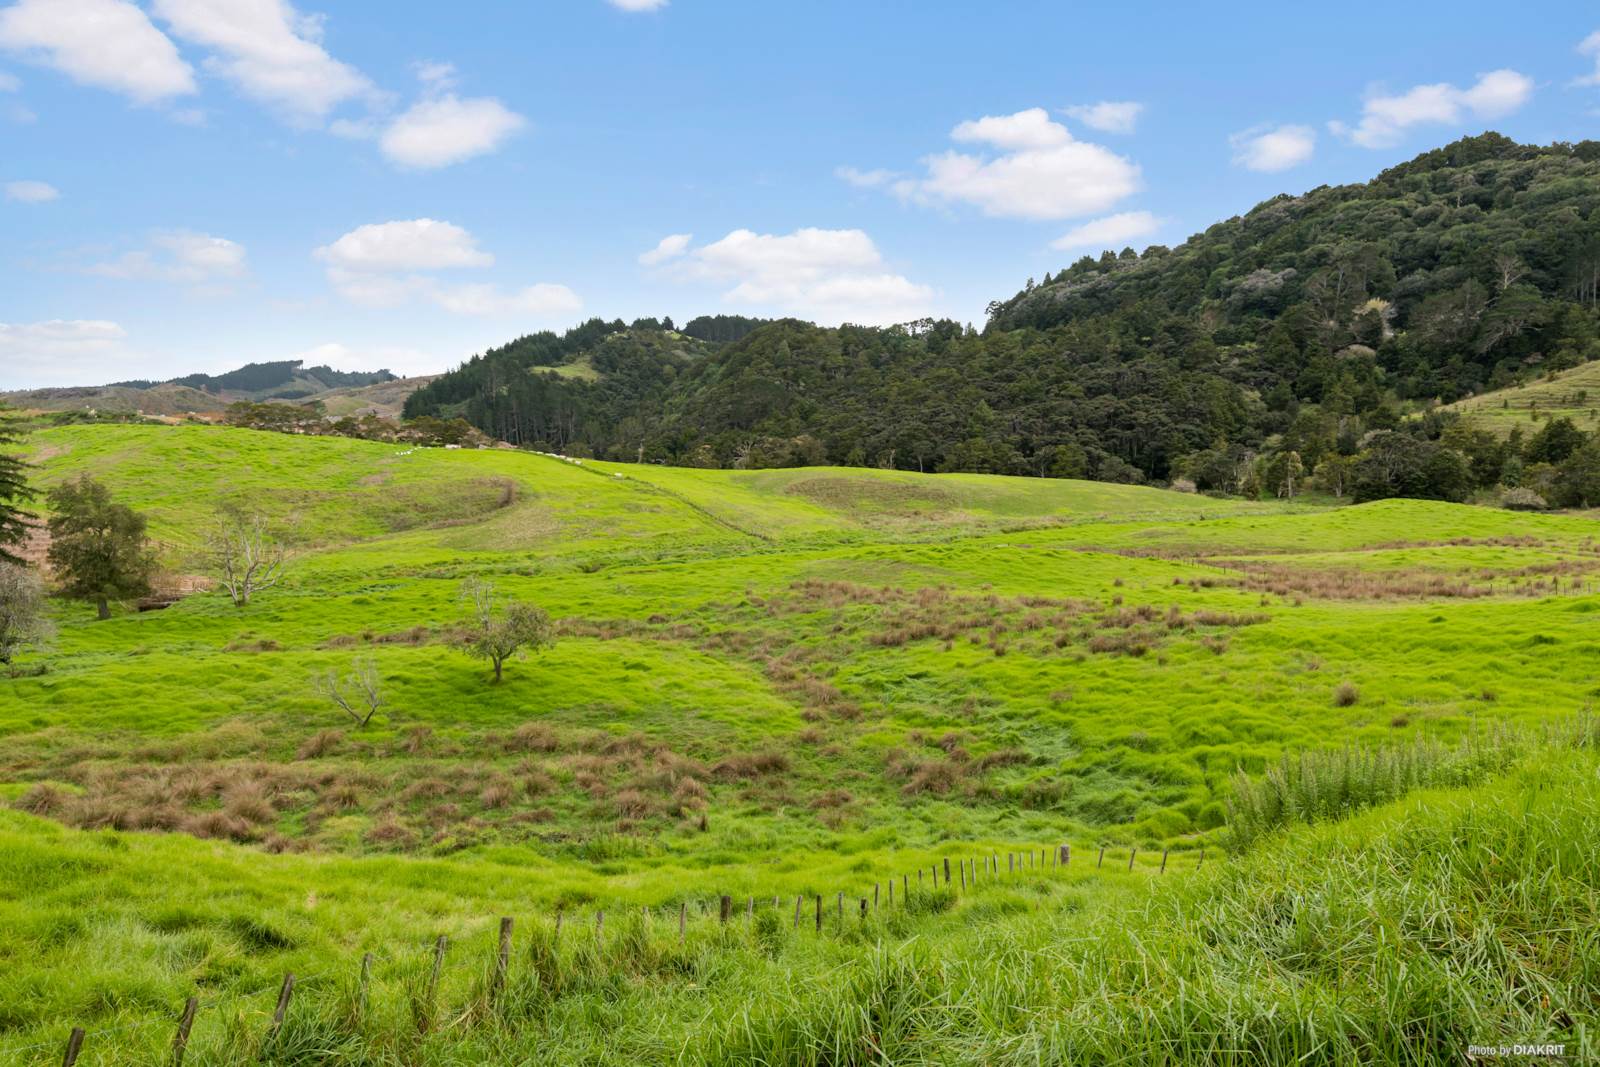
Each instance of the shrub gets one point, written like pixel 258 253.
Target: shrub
pixel 1522 499
pixel 1346 695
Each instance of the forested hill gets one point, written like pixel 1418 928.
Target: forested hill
pixel 1301 327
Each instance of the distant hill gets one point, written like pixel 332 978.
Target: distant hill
pixel 1298 328
pixel 344 392
pixel 1572 394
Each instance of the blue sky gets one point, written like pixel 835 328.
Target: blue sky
pixel 189 185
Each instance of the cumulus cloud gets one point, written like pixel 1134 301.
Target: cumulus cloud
pixel 1590 46
pixel 638 5
pixel 31 192
pixel 827 275
pixel 410 244
pixel 1034 169
pixel 1273 148
pixel 670 247
pixel 109 44
pixel 1108 116
pixel 1385 119
pixel 178 256
pixel 270 51
pixel 388 264
pixel 1110 232
pixel 60 351
pixel 439 131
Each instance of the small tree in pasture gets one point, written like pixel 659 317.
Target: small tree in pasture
pixel 358 694
pixel 97 546
pixel 22 617
pixel 500 633
pixel 243 553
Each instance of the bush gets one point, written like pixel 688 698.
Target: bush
pixel 1520 499
pixel 1346 695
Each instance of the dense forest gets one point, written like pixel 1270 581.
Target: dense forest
pixel 1315 332
pixel 286 379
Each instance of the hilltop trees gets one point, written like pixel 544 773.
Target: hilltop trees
pixel 14 490
pixel 98 547
pixel 244 554
pixel 498 632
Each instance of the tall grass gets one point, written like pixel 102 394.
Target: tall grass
pixel 1322 784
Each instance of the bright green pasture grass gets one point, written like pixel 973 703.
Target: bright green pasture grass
pixel 1447 919
pixel 1572 394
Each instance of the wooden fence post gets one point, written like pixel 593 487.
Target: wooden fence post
pixel 502 960
pixel 963 866
pixel 1132 852
pixel 819 913
pixel 74 1046
pixel 841 911
pixel 1011 863
pixel 282 1010
pixel 874 896
pixel 891 891
pixel 1102 860
pixel 947 870
pixel 1202 859
pixel 1163 862
pixel 726 909
pixel 180 1042
pixel 799 898
pixel 438 965
pixel 750 911
pixel 863 909
pixel 905 890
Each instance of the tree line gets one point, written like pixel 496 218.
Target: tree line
pixel 1469 268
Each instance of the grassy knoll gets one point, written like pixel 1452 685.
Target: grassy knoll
pixel 765 683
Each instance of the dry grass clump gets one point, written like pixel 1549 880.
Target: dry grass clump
pixel 319 744
pixel 390 833
pixel 1127 643
pixel 750 765
pixel 532 737
pixel 496 795
pixel 43 799
pixel 1345 695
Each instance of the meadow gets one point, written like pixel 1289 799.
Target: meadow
pixel 771 684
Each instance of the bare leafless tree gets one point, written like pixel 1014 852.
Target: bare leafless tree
pixel 359 694
pixel 244 554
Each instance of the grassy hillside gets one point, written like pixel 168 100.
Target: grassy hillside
pixel 1573 394
pixel 765 683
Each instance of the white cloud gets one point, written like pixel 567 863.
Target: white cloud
pixel 1109 232
pixel 638 5
pixel 389 264
pixel 446 130
pixel 411 244
pixel 865 179
pixel 1040 173
pixel 487 299
pixel 1109 116
pixel 1273 148
pixel 9 83
pixel 828 275
pixel 31 192
pixel 437 77
pixel 1590 47
pixel 270 51
pixel 670 247
pixel 109 44
pixel 60 351
pixel 1385 119
pixel 178 256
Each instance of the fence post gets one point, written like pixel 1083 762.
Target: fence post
pixel 905 890
pixel 1102 860
pixel 1011 863
pixel 819 913
pixel 1163 861
pixel 502 959
pixel 798 900
pixel 282 1009
pixel 74 1046
pixel 1132 852
pixel 841 911
pixel 1202 859
pixel 726 909
pixel 863 909
pixel 750 911
pixel 947 870
pixel 891 891
pixel 599 927
pixel 874 896
pixel 180 1042
pixel 438 965
pixel 963 865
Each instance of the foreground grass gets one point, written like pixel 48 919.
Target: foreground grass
pixel 1401 936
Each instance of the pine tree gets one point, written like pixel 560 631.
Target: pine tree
pixel 15 522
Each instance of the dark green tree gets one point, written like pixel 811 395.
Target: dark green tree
pixel 15 522
pixel 98 547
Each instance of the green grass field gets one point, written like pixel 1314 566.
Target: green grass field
pixel 772 683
